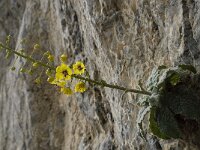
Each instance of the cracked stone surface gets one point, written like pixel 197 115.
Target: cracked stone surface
pixel 120 41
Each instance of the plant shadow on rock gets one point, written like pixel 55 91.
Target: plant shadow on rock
pixel 174 103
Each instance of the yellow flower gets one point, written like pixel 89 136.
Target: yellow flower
pixel 79 67
pixel 80 87
pixel 66 91
pixel 63 72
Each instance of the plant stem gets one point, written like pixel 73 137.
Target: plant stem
pixel 27 57
pixel 101 83
pixel 104 84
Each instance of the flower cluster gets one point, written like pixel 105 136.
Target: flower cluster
pixel 64 73
pixel 60 75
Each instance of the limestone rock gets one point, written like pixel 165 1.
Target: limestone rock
pixel 120 41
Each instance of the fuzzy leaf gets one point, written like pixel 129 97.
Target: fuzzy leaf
pixel 183 101
pixel 154 126
pixel 167 123
pixel 174 79
pixel 188 67
pixel 162 67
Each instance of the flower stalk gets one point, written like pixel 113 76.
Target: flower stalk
pixel 104 84
pixel 100 83
pixel 27 57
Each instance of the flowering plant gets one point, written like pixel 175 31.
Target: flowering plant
pixel 171 98
pixel 62 74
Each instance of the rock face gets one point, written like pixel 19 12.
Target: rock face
pixel 120 41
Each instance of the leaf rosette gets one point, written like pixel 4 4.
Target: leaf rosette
pixel 174 102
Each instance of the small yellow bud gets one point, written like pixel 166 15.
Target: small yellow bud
pixel 38 80
pixel 50 79
pixel 36 46
pixel 63 58
pixel 36 64
pixel 22 70
pixel 8 39
pixel 51 58
pixel 48 72
pixel 13 68
pixel 30 72
pixel 8 54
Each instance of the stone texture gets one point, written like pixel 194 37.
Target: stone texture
pixel 120 41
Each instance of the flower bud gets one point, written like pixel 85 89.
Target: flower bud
pixel 36 46
pixel 8 39
pixel 63 58
pixel 36 64
pixel 51 58
pixel 8 54
pixel 22 70
pixel 38 80
pixel 48 72
pixel 50 79
pixel 30 72
pixel 13 68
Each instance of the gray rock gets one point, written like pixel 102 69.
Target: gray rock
pixel 120 41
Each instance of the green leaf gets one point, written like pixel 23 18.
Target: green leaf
pixel 154 126
pixel 184 101
pixel 167 124
pixel 188 67
pixel 162 67
pixel 174 79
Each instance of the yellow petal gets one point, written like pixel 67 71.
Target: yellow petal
pixel 80 87
pixel 58 69
pixel 66 91
pixel 61 83
pixel 59 76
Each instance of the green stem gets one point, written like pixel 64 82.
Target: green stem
pixel 111 85
pixel 27 57
pixel 101 83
